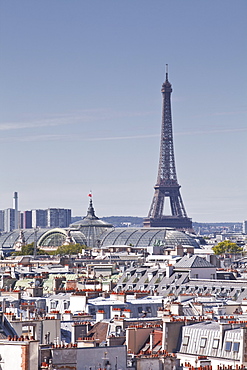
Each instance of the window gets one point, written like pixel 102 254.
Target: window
pixel 216 343
pixel 236 346
pixel 203 342
pixel 118 330
pixel 186 341
pixel 92 310
pixel 228 346
pixel 139 309
pixel 148 309
pixel 53 305
pixel 66 304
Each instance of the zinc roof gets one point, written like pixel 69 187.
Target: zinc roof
pixel 193 262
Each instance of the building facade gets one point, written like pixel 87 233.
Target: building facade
pixel 58 217
pixel 9 219
pixel 27 219
pixel 39 217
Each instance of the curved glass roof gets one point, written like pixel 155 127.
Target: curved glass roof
pixel 175 237
pixel 7 240
pixel 103 237
pixel 143 237
pixel 52 238
pixel 45 237
pixel 78 237
pixel 56 237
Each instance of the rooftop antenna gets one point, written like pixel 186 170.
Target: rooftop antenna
pixel 166 72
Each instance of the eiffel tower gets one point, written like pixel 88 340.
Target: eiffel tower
pixel 167 185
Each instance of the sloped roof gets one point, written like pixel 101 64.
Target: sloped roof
pixel 210 325
pixel 156 345
pixel 193 262
pixel 99 331
pixel 5 327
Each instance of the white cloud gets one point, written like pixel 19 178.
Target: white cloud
pixel 70 119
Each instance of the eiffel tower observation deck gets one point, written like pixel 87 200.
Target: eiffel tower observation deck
pixel 167 195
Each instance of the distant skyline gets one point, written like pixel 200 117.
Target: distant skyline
pixel 81 104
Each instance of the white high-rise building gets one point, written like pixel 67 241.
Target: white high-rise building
pixel 51 217
pixel 245 227
pixel 39 218
pixel 9 219
pixel 1 220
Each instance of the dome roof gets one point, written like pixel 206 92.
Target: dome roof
pixel 91 226
pixel 89 220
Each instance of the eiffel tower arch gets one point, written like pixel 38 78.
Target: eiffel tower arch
pixel 167 187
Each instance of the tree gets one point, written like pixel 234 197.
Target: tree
pixel 227 247
pixel 69 249
pixel 28 250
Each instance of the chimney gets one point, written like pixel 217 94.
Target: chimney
pixel 151 339
pixel 100 315
pixel 169 271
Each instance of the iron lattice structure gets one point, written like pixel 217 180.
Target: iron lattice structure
pixel 167 185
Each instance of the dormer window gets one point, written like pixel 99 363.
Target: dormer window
pixel 228 346
pixel 186 340
pixel 203 342
pixel 236 346
pixel 216 343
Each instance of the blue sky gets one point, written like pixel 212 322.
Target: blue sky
pixel 81 104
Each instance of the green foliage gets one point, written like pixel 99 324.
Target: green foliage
pixel 226 247
pixel 69 249
pixel 28 250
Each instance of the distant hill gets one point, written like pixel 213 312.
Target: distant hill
pixel 199 227
pixel 124 221
pixel 217 227
pixel 75 219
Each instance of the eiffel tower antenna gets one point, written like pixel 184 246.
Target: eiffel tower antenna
pixel 167 184
pixel 166 72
